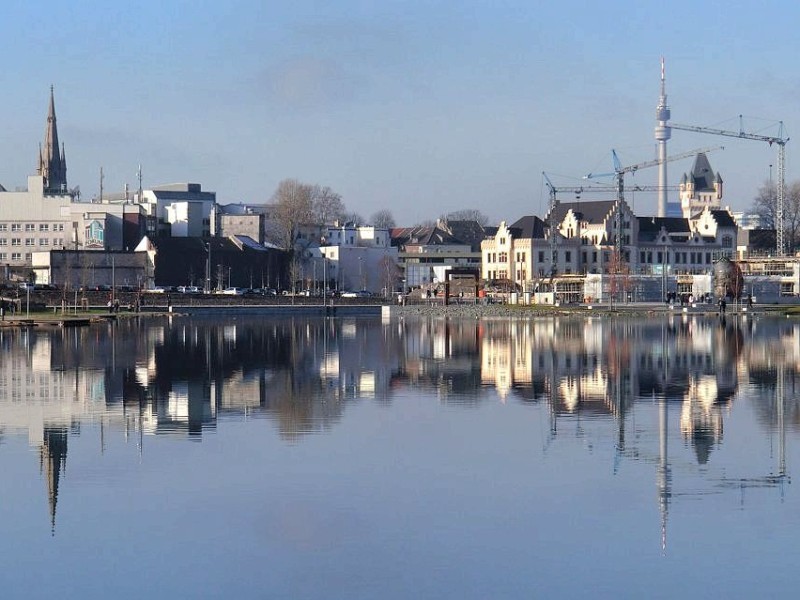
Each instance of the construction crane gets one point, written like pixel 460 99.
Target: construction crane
pixel 781 143
pixel 620 171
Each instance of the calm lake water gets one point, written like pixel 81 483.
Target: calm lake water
pixel 333 458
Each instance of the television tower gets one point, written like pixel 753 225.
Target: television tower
pixel 663 133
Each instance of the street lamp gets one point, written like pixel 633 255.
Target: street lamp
pixel 208 268
pixel 324 280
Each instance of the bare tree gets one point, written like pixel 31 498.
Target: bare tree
pixel 353 217
pixel 390 275
pixel 765 204
pixel 620 282
pixel 383 219
pixel 295 206
pixel 467 214
pixel 327 205
pixel 427 223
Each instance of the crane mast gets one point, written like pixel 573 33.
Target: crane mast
pixel 780 141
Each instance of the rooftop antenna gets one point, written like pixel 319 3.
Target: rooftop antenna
pixel 139 177
pixel 102 177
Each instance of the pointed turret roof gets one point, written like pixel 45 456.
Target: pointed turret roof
pixel 702 175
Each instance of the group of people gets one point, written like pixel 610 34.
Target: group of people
pixel 113 305
pixel 722 303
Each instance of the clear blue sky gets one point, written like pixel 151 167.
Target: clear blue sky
pixel 418 107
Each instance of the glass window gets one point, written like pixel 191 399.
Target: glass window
pixel 29 227
pixel 16 242
pixel 3 227
pixel 16 256
pixel 44 227
pixel 29 241
pixel 3 242
pixel 3 256
pixel 16 227
pixel 44 242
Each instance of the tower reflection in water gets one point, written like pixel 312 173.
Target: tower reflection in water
pixel 184 377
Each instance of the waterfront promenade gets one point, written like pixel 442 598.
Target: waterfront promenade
pixel 54 316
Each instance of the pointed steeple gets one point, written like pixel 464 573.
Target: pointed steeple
pixel 52 164
pixel 53 459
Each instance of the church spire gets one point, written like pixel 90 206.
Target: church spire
pixel 52 164
pixel 52 460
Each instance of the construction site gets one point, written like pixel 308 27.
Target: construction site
pixel 670 255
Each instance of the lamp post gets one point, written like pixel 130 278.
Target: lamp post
pixel 208 268
pixel 324 280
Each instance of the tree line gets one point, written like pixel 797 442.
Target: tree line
pixel 298 203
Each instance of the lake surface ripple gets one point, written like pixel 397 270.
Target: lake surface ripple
pixel 411 458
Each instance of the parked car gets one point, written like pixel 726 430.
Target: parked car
pixel 358 294
pixel 188 289
pixel 233 291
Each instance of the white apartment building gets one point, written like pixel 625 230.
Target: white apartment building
pixel 349 257
pixel 179 210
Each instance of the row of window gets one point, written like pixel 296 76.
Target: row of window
pixel 502 257
pixel 686 258
pixel 15 256
pixel 645 257
pixel 31 227
pixel 32 242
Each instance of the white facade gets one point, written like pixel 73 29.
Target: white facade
pixel 352 258
pixel 179 210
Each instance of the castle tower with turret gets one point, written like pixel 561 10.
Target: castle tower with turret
pixel 700 188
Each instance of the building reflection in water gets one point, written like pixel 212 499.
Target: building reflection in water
pixel 183 377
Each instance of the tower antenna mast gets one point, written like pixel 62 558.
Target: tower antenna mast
pixel 663 133
pixel 139 177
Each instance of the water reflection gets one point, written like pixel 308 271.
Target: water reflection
pixel 185 377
